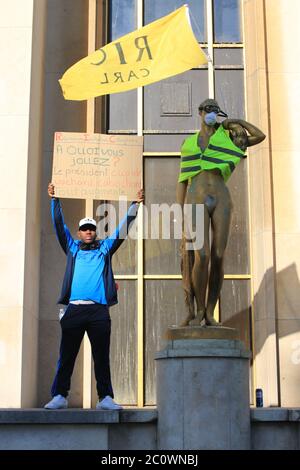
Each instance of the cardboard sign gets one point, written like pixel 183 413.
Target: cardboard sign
pixel 97 166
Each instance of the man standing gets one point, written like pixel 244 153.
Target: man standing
pixel 89 290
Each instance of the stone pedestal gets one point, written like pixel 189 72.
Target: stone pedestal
pixel 203 390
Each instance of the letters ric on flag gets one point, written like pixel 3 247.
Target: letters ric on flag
pixel 141 44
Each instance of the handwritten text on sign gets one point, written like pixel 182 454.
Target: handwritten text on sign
pixel 97 166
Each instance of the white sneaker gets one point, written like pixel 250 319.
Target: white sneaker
pixel 108 404
pixel 58 402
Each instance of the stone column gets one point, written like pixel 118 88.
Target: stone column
pixel 283 68
pixel 22 32
pixel 261 208
pixel 272 91
pixel 203 390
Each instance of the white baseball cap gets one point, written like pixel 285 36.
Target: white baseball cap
pixel 87 221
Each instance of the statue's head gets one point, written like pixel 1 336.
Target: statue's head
pixel 209 110
pixel 209 105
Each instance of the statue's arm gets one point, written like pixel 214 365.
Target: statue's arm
pixel 181 192
pixel 256 136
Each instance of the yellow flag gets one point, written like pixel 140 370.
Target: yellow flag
pixel 159 50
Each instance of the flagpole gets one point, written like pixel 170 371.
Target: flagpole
pixel 90 128
pixel 140 253
pixel 210 49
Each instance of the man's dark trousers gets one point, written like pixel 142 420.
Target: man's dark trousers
pixel 78 319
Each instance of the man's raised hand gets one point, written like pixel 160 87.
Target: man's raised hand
pixel 51 190
pixel 140 196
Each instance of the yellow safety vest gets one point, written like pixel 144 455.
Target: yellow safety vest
pixel 221 153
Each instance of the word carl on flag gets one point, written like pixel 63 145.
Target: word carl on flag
pixel 161 49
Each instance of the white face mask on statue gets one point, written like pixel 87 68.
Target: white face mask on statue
pixel 210 119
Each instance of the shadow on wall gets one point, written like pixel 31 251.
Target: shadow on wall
pixel 270 320
pixel 288 306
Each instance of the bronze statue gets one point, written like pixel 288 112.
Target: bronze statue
pixel 207 161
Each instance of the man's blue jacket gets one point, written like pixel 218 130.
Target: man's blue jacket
pixel 107 246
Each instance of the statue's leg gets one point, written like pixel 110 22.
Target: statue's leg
pixel 187 263
pixel 200 272
pixel 221 220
